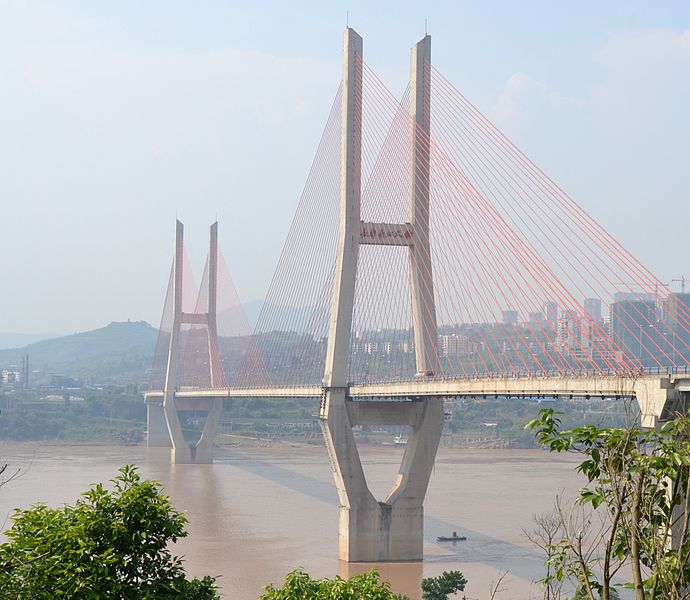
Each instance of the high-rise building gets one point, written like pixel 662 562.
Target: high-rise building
pixel 676 310
pixel 592 332
pixel 592 307
pixel 633 328
pixel 676 319
pixel 25 371
pixel 510 317
pixel 11 376
pixel 551 313
pixel 457 345
pixel 448 345
pixel 633 297
pixel 570 331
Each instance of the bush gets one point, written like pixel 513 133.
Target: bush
pixel 439 588
pixel 110 544
pixel 299 586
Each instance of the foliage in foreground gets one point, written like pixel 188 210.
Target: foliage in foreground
pixel 298 585
pixel 439 588
pixel 638 492
pixel 110 544
pixel 582 594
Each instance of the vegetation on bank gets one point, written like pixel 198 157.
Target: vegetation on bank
pixel 117 414
pixel 503 419
pixel 270 408
pixel 112 415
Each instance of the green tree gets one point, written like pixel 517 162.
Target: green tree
pixel 439 588
pixel 581 594
pixel 637 492
pixel 110 544
pixel 545 535
pixel 299 586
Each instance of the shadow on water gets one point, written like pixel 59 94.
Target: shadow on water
pixel 478 548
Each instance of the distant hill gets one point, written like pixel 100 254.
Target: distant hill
pixel 11 339
pixel 118 352
pixel 121 351
pixel 255 310
pixel 252 310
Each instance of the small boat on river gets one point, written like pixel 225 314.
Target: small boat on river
pixel 451 538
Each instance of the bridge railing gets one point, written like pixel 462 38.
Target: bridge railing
pixel 579 373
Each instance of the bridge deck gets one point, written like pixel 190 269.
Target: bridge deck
pixel 548 386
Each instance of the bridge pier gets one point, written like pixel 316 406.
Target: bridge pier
pixel 662 399
pixel 200 452
pixel 157 435
pixel 658 404
pixel 392 529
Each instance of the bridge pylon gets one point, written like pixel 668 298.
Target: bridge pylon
pixel 390 530
pixel 183 452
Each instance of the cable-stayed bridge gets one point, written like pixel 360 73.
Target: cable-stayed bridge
pixel 428 259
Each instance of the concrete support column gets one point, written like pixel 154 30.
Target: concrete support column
pixel 372 531
pixel 682 408
pixel 202 451
pixel 391 530
pixel 658 405
pixel 212 327
pixel 358 531
pixel 421 273
pixel 359 511
pixel 409 490
pixel 340 326
pixel 180 451
pixel 157 435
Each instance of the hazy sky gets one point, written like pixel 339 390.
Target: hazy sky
pixel 117 116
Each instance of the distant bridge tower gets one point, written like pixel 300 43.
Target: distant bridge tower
pixel 202 451
pixel 391 530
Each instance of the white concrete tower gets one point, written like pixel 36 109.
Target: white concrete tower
pixel 423 306
pixel 358 508
pixel 390 530
pixel 182 452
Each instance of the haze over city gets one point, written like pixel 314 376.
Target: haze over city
pixel 116 119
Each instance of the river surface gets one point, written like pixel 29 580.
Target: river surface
pixel 258 512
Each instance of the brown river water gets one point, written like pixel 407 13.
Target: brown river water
pixel 259 512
